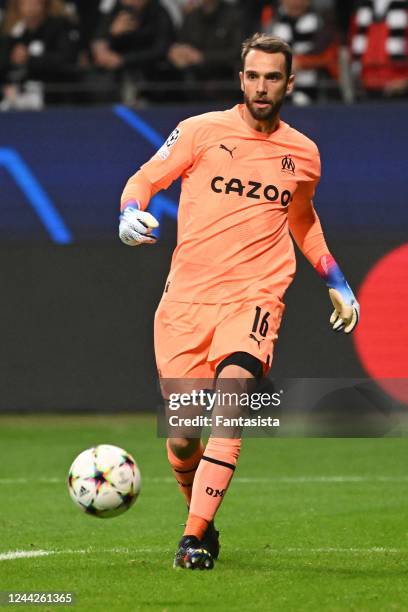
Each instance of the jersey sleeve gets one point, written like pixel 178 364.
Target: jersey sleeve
pixel 174 157
pixel 304 222
pixel 312 170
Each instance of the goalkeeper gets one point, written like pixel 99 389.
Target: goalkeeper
pixel 248 182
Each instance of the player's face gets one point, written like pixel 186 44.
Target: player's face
pixel 265 83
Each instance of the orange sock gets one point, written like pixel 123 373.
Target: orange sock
pixel 211 483
pixel 184 469
pixel 196 526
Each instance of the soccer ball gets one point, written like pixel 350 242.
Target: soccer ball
pixel 104 481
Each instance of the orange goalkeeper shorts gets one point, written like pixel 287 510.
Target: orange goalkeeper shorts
pixel 191 339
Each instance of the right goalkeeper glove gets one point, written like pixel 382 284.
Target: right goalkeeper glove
pixel 135 225
pixel 346 308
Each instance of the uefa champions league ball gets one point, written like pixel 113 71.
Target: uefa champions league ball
pixel 104 481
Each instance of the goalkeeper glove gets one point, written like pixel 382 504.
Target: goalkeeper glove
pixel 346 308
pixel 135 225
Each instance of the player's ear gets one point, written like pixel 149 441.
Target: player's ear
pixel 241 78
pixel 290 85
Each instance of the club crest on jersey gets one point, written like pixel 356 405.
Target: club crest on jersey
pixel 288 165
pixel 164 150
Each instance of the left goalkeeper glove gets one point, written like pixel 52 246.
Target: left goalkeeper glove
pixel 346 308
pixel 135 225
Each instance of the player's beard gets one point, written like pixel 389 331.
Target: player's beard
pixel 264 114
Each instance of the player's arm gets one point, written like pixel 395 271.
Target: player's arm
pixel 135 224
pixel 170 161
pixel 305 227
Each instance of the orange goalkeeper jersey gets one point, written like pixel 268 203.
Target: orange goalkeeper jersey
pixel 238 185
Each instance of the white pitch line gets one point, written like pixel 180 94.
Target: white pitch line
pixel 26 554
pixel 353 551
pixel 298 479
pixel 6 481
pixel 23 554
pixel 238 479
pixel 322 479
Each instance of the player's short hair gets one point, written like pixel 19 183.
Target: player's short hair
pixel 268 44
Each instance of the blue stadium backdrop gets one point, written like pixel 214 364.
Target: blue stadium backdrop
pixel 77 307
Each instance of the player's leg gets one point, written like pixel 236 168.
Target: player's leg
pixel 252 328
pixel 184 456
pixel 220 457
pixel 235 374
pixel 182 339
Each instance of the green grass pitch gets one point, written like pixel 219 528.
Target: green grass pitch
pixel 308 524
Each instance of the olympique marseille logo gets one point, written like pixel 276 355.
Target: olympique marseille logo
pixel 288 165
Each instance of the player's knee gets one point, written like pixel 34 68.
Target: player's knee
pixel 234 371
pixel 183 447
pixel 240 365
pixel 224 449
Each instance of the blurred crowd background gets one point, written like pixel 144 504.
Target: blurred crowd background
pixel 152 51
